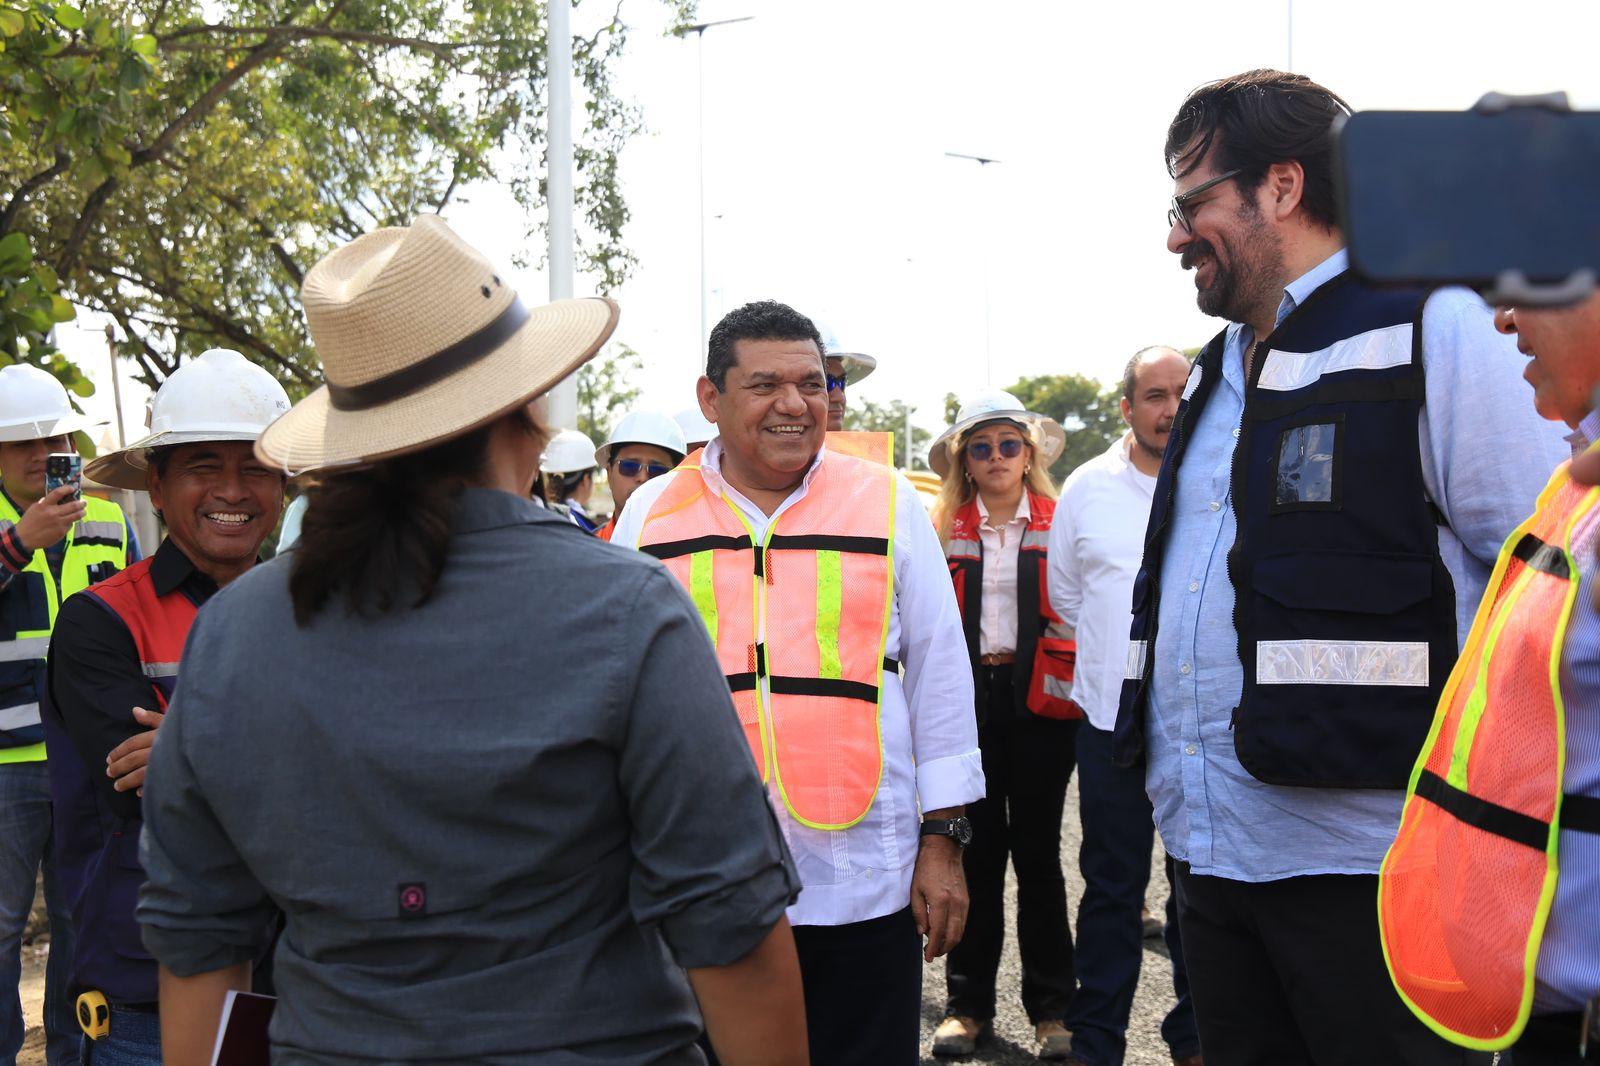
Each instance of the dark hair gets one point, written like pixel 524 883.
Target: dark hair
pixel 764 320
pixel 381 534
pixel 559 486
pixel 1130 375
pixel 158 459
pixel 1258 118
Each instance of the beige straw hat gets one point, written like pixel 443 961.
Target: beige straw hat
pixel 421 341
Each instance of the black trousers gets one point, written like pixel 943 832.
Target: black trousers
pixel 1291 971
pixel 1552 1040
pixel 863 989
pixel 1027 762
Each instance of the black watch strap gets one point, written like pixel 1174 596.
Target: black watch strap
pixel 957 829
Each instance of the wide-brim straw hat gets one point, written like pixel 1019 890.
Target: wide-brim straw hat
pixel 422 341
pixel 1044 433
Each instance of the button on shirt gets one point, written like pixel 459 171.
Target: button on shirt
pixel 1096 542
pixel 928 729
pixel 1568 970
pixel 997 625
pixel 1485 455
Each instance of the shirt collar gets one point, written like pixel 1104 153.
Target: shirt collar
pixel 1023 513
pixel 481 509
pixel 1296 292
pixel 171 569
pixel 711 470
pixel 1587 433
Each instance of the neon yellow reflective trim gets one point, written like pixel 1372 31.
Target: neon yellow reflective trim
pixel 31 753
pixel 759 615
pixel 830 609
pixel 703 591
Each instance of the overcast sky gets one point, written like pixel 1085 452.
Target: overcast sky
pixel 827 186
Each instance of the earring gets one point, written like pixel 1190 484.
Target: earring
pixel 1027 470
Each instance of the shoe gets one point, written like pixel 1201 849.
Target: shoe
pixel 1055 1043
pixel 1189 1060
pixel 957 1035
pixel 1153 926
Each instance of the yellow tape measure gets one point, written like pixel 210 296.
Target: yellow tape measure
pixel 94 1015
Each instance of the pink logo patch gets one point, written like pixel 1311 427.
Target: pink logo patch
pixel 413 900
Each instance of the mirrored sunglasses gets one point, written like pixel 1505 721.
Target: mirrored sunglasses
pixel 631 468
pixel 981 450
pixel 834 382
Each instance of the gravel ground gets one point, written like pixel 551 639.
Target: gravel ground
pixel 1012 1043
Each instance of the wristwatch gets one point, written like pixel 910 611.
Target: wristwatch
pixel 957 829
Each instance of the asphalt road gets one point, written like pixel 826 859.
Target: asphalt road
pixel 1012 1042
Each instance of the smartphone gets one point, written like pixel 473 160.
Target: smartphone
pixel 64 468
pixel 1479 198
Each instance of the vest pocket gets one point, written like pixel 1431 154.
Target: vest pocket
pixel 1307 466
pixel 1346 581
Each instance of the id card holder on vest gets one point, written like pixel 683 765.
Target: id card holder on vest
pixel 1307 466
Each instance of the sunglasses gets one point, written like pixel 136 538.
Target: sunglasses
pixel 631 468
pixel 981 450
pixel 834 382
pixel 1175 215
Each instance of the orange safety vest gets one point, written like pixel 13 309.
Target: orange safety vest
pixel 1046 654
pixel 863 444
pixel 1465 889
pixel 605 531
pixel 800 621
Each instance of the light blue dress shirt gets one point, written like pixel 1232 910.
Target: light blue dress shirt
pixel 1485 455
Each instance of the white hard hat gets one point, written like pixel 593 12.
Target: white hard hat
pixel 567 453
pixel 995 405
pixel 695 426
pixel 644 427
pixel 33 405
pixel 219 396
pixel 857 365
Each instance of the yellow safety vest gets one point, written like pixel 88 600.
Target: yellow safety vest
pixel 1465 889
pixel 97 547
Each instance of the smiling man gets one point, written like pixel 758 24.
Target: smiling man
pixel 115 655
pixel 850 585
pixel 1341 472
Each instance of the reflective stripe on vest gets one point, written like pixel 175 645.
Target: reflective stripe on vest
pixel 97 546
pixel 1465 889
pixel 799 621
pixel 873 447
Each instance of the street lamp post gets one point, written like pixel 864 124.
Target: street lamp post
pixel 988 356
pixel 563 399
pixel 699 30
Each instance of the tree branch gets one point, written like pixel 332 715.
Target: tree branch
pixel 27 188
pixel 286 34
pixel 80 231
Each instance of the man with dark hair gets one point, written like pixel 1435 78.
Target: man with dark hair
pixel 868 769
pixel 1341 472
pixel 1094 553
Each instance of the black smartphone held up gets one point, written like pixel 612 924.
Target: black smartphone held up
pixel 64 468
pixel 1500 198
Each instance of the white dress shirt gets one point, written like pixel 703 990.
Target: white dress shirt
pixel 997 622
pixel 927 723
pixel 1096 544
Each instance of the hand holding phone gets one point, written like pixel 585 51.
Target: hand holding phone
pixel 64 468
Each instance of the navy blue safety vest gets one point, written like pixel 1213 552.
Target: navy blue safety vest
pixel 1345 612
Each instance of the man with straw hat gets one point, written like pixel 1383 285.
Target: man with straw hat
pixel 536 837
pixel 114 664
pixel 869 770
pixel 52 544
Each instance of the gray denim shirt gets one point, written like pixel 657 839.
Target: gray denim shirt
pixel 498 824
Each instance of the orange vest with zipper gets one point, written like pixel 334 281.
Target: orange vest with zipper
pixel 799 621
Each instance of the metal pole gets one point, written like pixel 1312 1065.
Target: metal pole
pixel 700 107
pixel 1290 67
pixel 563 399
pixel 116 383
pixel 983 163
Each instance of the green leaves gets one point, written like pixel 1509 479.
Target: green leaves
pixel 11 22
pixel 68 17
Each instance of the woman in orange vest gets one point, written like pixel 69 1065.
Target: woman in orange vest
pixel 995 506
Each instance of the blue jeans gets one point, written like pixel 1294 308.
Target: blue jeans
pixel 134 1040
pixel 1118 832
pixel 24 845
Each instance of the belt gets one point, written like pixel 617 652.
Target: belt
pixel 1003 658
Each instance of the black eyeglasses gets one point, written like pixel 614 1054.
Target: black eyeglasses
pixel 835 382
pixel 631 468
pixel 1175 215
pixel 980 450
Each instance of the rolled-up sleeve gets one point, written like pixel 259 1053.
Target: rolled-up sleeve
pixel 938 673
pixel 201 908
pixel 711 868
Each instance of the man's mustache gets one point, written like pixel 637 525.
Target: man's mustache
pixel 1195 251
